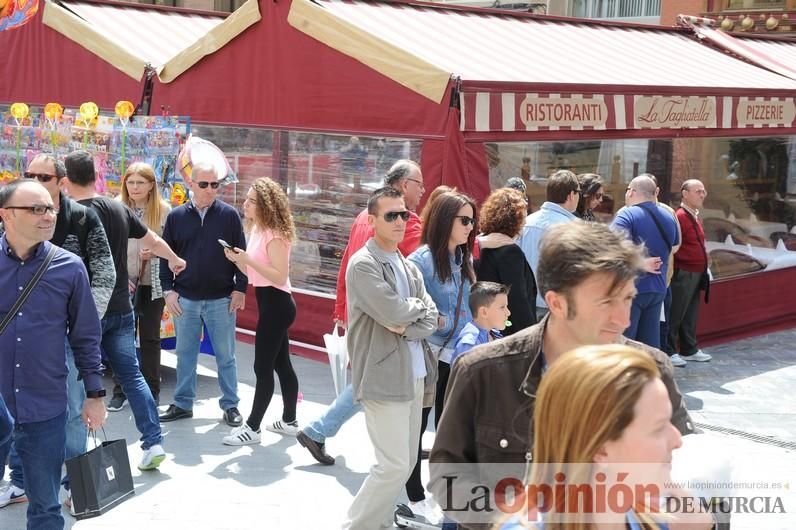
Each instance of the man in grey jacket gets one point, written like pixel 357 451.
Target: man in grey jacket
pixel 389 315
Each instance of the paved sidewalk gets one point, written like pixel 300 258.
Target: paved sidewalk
pixel 206 485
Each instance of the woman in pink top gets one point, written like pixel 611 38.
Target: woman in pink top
pixel 266 263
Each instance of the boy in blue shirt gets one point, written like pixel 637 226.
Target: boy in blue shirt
pixel 489 305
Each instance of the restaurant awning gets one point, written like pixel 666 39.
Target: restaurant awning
pixel 132 37
pixel 520 72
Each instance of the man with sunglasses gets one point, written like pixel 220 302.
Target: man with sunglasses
pixel 563 194
pixel 406 177
pixel 33 370
pixel 210 292
pixel 78 230
pixel 118 324
pixel 389 315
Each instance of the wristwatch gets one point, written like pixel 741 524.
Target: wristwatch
pixel 91 394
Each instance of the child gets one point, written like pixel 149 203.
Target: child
pixel 489 304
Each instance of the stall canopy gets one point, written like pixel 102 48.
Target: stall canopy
pixel 172 42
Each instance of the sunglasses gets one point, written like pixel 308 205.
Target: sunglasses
pixel 466 221
pixel 203 185
pixel 36 209
pixel 598 196
pixel 390 217
pixel 41 177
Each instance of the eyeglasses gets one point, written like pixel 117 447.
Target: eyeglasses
pixel 36 209
pixel 203 185
pixel 466 221
pixel 418 182
pixel 138 183
pixel 41 177
pixel 390 217
pixel 629 189
pixel 598 196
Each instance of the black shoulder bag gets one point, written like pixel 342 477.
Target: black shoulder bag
pixel 658 225
pixel 704 283
pixel 23 296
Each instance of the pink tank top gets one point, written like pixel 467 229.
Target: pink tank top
pixel 257 248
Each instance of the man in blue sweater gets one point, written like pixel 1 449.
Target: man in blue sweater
pixel 210 291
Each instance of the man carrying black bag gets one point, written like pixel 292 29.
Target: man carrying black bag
pixel 46 293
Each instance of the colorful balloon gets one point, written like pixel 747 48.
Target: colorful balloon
pixel 88 111
pixel 124 109
pixel 198 150
pixel 53 111
pixel 20 111
pixel 15 13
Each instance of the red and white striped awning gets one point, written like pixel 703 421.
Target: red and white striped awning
pixel 132 36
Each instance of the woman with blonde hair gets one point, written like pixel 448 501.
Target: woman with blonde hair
pixel 602 411
pixel 140 193
pixel 266 262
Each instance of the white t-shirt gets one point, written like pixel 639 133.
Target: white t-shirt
pixel 402 284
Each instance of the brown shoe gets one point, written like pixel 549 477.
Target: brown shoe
pixel 317 450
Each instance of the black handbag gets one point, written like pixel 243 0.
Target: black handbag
pixel 100 479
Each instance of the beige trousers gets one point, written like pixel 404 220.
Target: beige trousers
pixel 394 429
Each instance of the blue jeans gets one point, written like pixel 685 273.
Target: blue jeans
pixel 339 412
pixel 645 319
pixel 41 450
pixel 118 341
pixel 221 327
pixel 6 426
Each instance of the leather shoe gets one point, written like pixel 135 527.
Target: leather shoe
pixel 232 417
pixel 175 413
pixel 317 450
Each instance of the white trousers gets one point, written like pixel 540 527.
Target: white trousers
pixel 394 430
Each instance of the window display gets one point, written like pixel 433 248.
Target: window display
pixel 750 207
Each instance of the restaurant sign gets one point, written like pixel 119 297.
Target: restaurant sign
pixel 760 112
pixel 673 112
pixel 551 111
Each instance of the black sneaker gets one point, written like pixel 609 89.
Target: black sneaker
pixel 175 413
pixel 116 403
pixel 232 417
pixel 317 450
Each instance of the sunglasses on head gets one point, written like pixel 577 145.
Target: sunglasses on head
pixel 203 185
pixel 41 177
pixel 390 217
pixel 466 221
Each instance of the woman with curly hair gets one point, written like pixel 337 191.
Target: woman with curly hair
pixel 266 263
pixel 591 195
pixel 502 260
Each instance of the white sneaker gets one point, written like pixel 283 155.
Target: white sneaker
pixel 284 428
pixel 677 360
pixel 699 356
pixel 152 458
pixel 242 435
pixel 428 510
pixel 12 495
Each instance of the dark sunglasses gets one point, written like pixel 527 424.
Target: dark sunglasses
pixel 36 209
pixel 598 196
pixel 41 177
pixel 390 217
pixel 466 221
pixel 203 185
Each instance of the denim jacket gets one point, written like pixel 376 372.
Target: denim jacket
pixel 445 294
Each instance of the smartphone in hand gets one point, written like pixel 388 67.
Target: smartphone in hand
pixel 226 245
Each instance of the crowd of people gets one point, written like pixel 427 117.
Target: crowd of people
pixel 462 310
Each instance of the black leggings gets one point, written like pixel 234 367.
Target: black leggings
pixel 414 485
pixel 271 353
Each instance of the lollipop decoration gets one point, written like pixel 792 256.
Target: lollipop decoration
pixel 124 109
pixel 19 111
pixel 53 113
pixel 88 114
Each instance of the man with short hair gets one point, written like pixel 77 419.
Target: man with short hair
pixel 118 324
pixel 647 223
pixel 406 177
pixel 33 370
pixel 78 230
pixel 210 292
pixel 563 193
pixel 390 313
pixel 690 277
pixel 587 273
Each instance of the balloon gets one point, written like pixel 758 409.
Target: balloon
pixel 19 111
pixel 88 111
pixel 198 150
pixel 53 111
pixel 124 109
pixel 15 13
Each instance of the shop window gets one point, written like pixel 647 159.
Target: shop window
pixel 615 8
pixel 751 183
pixel 756 4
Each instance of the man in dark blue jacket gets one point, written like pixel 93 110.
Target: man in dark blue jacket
pixel 210 291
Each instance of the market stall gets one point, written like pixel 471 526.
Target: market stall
pixel 324 95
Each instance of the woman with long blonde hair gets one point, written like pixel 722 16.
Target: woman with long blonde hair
pixel 140 193
pixel 600 411
pixel 266 262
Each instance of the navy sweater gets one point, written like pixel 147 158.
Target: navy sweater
pixel 209 275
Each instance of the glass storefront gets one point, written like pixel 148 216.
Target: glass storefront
pixel 749 213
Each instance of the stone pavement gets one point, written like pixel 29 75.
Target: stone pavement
pixel 206 485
